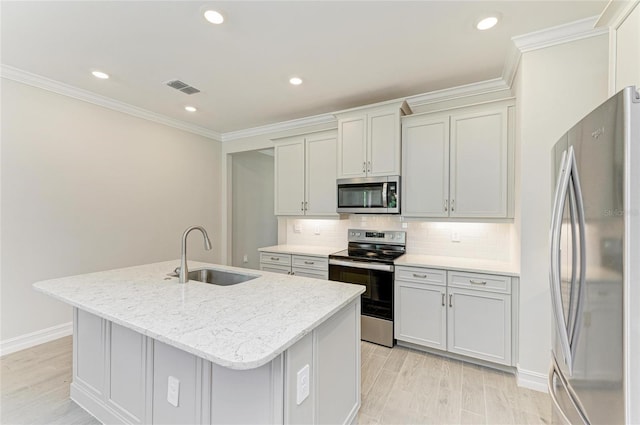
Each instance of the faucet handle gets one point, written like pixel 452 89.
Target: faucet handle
pixel 177 270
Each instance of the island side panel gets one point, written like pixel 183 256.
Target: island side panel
pixel 337 367
pixel 252 396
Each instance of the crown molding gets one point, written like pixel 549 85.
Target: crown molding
pixel 278 127
pixel 15 74
pixel 560 34
pixel 615 13
pixel 547 37
pixel 482 87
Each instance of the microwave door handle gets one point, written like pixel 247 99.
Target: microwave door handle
pixel 384 195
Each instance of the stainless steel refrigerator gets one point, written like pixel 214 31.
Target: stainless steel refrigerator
pixel 595 267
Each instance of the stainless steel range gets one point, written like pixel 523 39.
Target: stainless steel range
pixel 369 261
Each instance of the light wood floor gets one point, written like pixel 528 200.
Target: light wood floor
pixel 399 386
pixel 404 386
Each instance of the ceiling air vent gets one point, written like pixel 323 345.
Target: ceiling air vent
pixel 182 86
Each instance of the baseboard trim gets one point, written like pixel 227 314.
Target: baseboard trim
pixel 532 380
pixel 32 339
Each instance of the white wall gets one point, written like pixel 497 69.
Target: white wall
pixel 628 51
pixel 253 222
pixel 555 88
pixel 86 188
pixel 490 241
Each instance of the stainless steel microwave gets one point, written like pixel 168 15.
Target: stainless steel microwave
pixel 369 195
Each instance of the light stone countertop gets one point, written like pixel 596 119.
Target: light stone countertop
pixel 319 251
pixel 242 326
pixel 458 263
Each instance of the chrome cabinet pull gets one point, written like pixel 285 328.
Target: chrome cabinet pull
pixel 289 272
pixel 369 166
pixel 453 204
pixel 301 205
pixel 306 205
pixel 364 166
pixel 442 299
pixel 275 258
pixel 292 273
pixel 421 276
pixel 478 282
pixel 309 262
pixel 450 300
pixel 446 205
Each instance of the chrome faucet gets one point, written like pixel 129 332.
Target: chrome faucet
pixel 184 271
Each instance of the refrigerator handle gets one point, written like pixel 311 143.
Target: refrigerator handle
pixel 554 370
pixel 573 298
pixel 575 333
pixel 552 394
pixel 554 272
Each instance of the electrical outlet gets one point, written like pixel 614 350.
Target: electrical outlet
pixel 455 236
pixel 302 385
pixel 173 391
pixel 405 225
pixel 316 229
pixel 297 228
pixel 245 259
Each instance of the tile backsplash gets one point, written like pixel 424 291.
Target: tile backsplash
pixel 490 241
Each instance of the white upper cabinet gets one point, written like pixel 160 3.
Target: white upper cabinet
pixel 369 141
pixel 305 175
pixel 478 182
pixel 425 158
pixel 459 164
pixel 289 177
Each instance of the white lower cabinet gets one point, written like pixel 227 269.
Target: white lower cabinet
pixel 463 313
pixel 420 316
pixel 298 265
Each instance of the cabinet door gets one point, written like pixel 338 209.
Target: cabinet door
pixel 289 177
pixel 420 314
pixel 479 325
pixel 479 154
pixel 321 163
pixel 352 147
pixel 383 143
pixel 425 162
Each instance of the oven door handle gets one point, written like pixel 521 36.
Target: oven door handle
pixel 359 265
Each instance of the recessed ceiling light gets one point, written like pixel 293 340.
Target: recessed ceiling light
pixel 486 23
pixel 214 17
pixel 190 108
pixel 296 81
pixel 100 74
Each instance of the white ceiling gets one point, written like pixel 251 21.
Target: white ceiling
pixel 348 53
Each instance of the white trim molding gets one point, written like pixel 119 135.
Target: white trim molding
pixel 32 339
pixel 278 127
pixel 532 380
pixel 466 90
pixel 45 83
pixel 615 13
pixel 548 37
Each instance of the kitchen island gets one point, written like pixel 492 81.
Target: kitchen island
pixel 274 349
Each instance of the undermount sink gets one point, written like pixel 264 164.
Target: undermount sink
pixel 218 277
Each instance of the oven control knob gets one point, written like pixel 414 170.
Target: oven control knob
pixel 390 236
pixel 353 233
pixel 358 234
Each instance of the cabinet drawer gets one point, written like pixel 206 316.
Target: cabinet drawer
pixel 272 258
pixel 307 262
pixel 275 268
pixel 317 274
pixel 421 275
pixel 486 282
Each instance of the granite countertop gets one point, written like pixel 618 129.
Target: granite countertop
pixel 242 326
pixel 458 263
pixel 320 251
